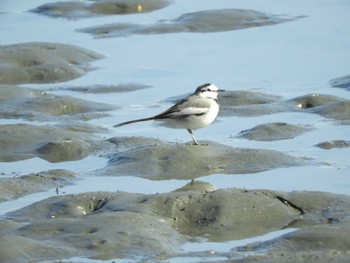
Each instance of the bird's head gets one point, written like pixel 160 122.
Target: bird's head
pixel 208 90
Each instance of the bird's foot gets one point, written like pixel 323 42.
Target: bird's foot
pixel 200 144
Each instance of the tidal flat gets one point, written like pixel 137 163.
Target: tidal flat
pixel 269 182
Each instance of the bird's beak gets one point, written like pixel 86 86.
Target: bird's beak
pixel 221 90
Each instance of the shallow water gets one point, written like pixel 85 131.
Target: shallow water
pixel 289 60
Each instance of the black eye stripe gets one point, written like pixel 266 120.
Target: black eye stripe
pixel 204 90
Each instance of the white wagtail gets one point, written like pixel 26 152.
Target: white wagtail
pixel 193 112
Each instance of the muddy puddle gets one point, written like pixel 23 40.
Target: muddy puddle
pixel 269 181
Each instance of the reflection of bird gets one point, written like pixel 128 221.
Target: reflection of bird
pixel 194 112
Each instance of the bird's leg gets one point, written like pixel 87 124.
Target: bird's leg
pixel 193 138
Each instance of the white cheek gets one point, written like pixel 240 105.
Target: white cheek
pixel 209 94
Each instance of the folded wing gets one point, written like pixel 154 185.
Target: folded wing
pixel 186 108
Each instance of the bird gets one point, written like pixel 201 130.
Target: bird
pixel 194 112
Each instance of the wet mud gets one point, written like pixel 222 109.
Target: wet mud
pixel 24 141
pixel 242 103
pixel 341 82
pixel 325 105
pixel 110 225
pixel 103 89
pixel 249 103
pixel 124 225
pixel 186 161
pixel 274 131
pixel 120 225
pixel 334 144
pixel 18 186
pixel 197 22
pixel 39 105
pixel 44 62
pixel 88 9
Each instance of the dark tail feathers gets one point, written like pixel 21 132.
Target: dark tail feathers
pixel 129 122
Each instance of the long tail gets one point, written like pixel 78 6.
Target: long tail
pixel 129 122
